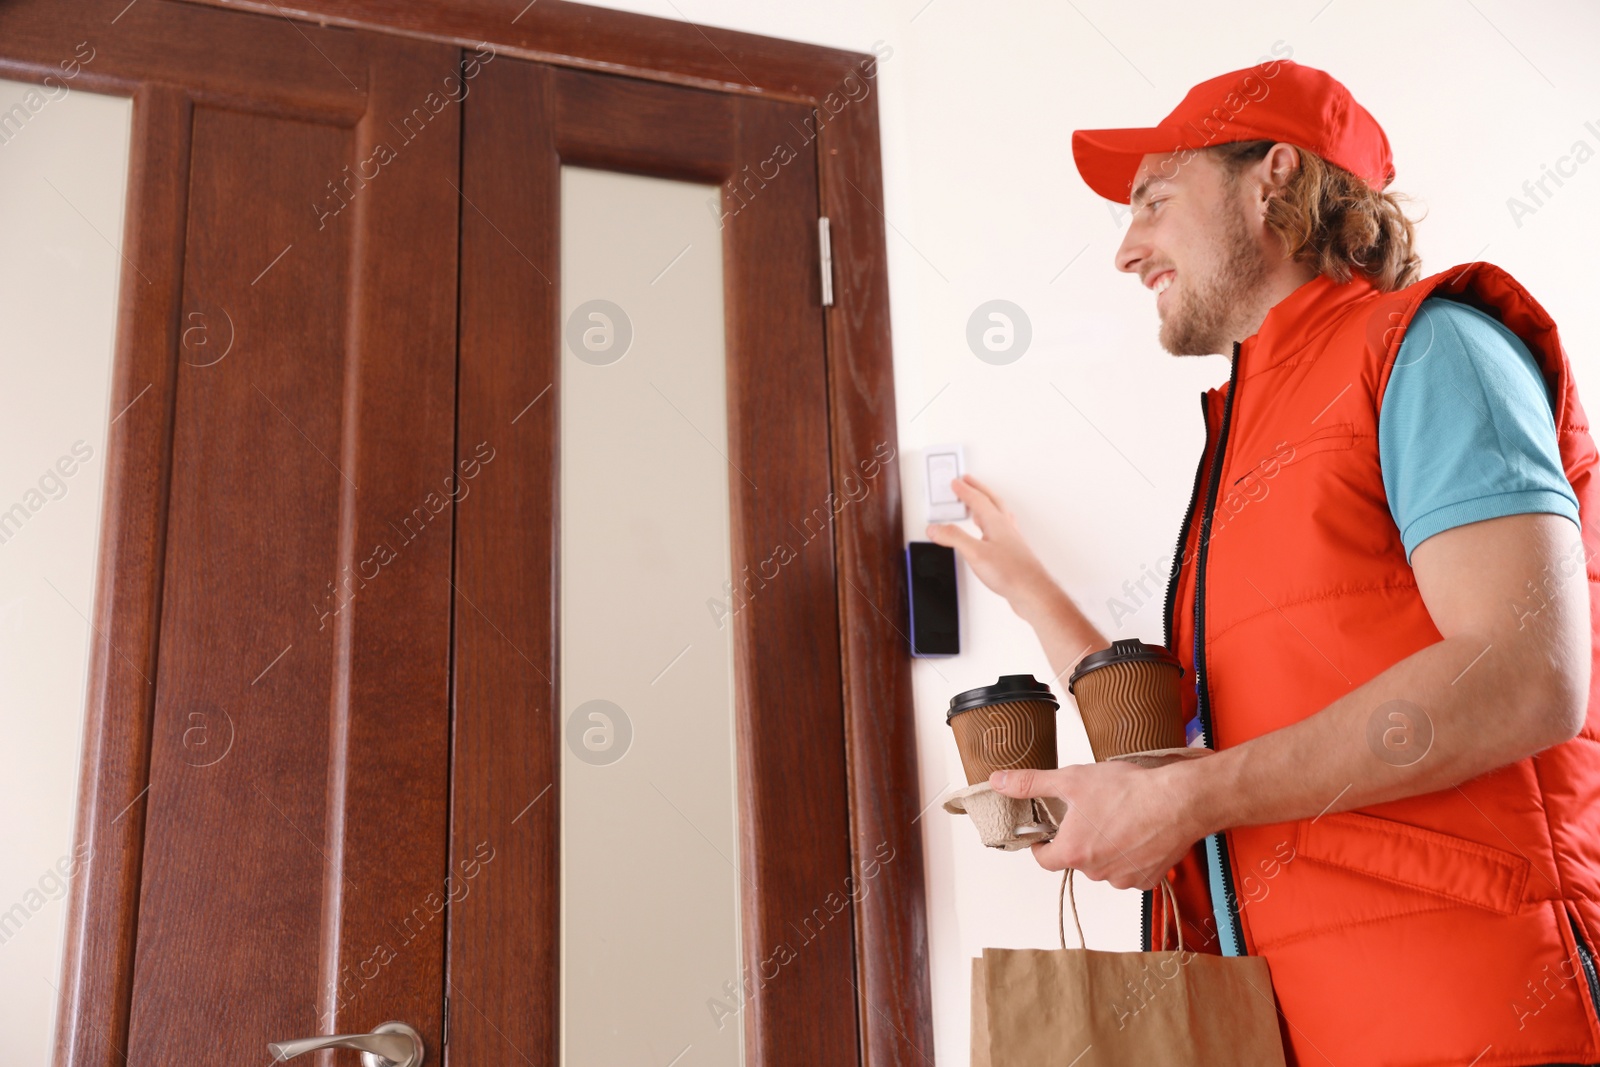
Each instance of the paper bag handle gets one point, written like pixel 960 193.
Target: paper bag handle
pixel 1067 890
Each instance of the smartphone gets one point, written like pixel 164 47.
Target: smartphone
pixel 935 618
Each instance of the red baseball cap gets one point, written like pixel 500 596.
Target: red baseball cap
pixel 1279 100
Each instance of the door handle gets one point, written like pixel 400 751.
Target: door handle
pixel 393 1044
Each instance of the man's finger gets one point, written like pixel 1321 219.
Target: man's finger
pixel 986 491
pixel 1026 783
pixel 951 536
pixel 1047 857
pixel 985 511
pixel 973 495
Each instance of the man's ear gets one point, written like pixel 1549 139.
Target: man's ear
pixel 1275 170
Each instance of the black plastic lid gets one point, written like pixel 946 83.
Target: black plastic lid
pixel 1121 652
pixel 1009 687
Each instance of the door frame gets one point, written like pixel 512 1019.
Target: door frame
pixel 893 994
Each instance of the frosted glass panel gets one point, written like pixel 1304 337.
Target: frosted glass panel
pixel 63 176
pixel 650 887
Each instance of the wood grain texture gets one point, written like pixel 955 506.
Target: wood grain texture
pixel 264 63
pixel 389 783
pixel 596 39
pixel 505 938
pixel 895 1000
pixel 253 515
pixel 629 125
pixel 226 517
pixel 293 884
pixel 794 817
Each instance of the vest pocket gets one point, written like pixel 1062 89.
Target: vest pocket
pixel 1421 859
pixel 1333 437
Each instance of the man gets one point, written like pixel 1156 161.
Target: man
pixel 1380 599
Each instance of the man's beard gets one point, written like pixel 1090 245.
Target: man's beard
pixel 1202 322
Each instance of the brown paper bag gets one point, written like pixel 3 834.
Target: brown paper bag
pixel 1083 1008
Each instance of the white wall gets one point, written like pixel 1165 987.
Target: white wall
pixel 978 102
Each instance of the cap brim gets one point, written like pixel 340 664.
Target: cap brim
pixel 1108 159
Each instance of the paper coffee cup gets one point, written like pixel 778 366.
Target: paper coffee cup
pixel 1004 726
pixel 1129 698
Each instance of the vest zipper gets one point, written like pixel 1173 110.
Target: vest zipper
pixel 1586 958
pixel 1183 536
pixel 1204 702
pixel 1145 918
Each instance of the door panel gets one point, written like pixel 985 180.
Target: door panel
pixel 294 886
pixel 794 998
pixel 253 525
pixel 267 835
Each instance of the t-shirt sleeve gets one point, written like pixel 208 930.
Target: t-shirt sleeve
pixel 1467 430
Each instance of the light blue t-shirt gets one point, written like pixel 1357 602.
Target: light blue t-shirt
pixel 1466 432
pixel 1467 429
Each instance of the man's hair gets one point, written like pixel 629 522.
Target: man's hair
pixel 1331 219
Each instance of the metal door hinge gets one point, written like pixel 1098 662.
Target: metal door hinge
pixel 825 247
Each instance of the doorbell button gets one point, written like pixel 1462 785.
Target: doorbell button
pixel 944 464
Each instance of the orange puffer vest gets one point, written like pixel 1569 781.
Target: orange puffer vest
pixel 1451 928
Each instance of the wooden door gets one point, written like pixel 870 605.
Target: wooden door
pixel 323 678
pixel 522 122
pixel 266 773
pixel 291 887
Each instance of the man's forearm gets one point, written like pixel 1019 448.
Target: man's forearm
pixel 1065 632
pixel 1447 713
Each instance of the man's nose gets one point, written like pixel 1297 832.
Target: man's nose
pixel 1133 250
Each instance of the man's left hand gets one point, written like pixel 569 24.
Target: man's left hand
pixel 1125 824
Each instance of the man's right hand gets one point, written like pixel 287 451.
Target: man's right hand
pixel 1000 558
pixel 1003 561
